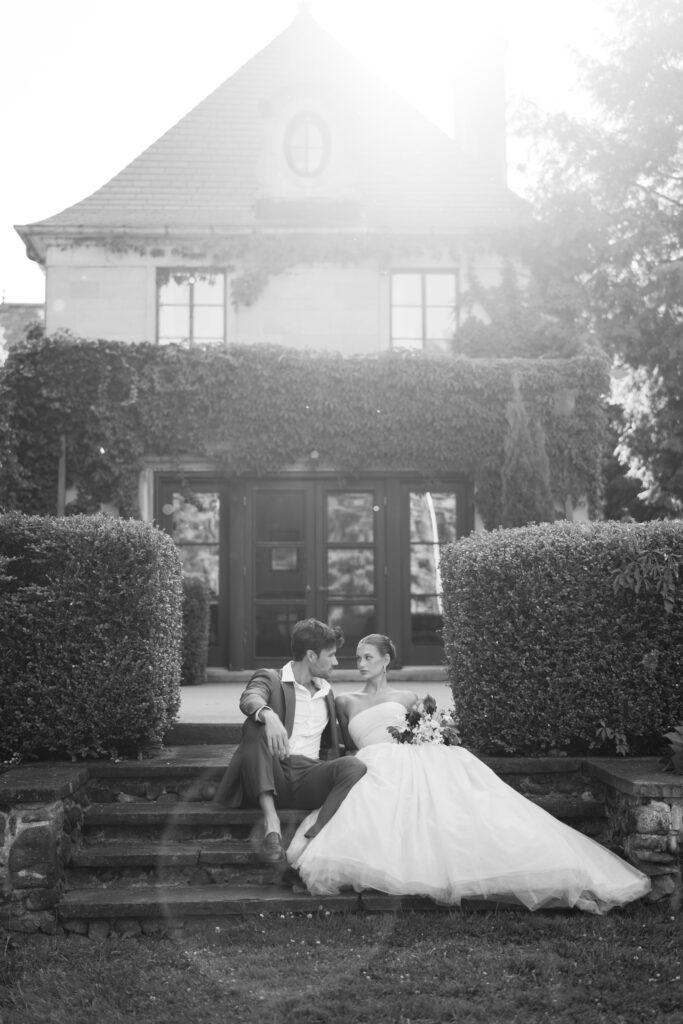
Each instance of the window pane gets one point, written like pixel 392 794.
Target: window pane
pixel 440 323
pixel 350 571
pixel 201 560
pixel 406 289
pixel 408 344
pixel 175 291
pixel 209 291
pixel 439 345
pixel 174 322
pixel 406 324
pixel 274 624
pixel 432 516
pixel 426 622
pixel 350 518
pixel 424 569
pixel 279 572
pixel 195 518
pixel 306 144
pixel 208 323
pixel 355 620
pixel 279 516
pixel 440 290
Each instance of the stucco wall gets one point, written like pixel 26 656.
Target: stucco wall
pixel 101 294
pixel 96 300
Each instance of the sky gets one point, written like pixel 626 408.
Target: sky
pixel 86 85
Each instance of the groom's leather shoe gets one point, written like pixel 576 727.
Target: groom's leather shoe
pixel 272 851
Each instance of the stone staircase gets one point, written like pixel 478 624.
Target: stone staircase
pixel 155 853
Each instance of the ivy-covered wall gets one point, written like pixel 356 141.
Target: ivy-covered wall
pixel 528 433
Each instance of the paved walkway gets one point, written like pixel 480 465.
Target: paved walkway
pixel 217 701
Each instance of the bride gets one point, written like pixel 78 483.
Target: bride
pixel 433 820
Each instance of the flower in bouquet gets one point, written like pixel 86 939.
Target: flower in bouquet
pixel 425 723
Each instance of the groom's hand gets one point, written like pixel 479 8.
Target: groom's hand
pixel 276 734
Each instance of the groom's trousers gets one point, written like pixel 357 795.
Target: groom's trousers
pixel 299 782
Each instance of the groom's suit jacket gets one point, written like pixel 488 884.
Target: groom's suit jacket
pixel 267 687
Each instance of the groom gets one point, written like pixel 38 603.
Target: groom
pixel 290 723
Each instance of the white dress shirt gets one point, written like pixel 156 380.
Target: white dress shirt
pixel 310 717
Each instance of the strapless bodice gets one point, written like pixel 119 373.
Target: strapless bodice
pixel 370 725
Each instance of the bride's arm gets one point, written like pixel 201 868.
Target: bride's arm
pixel 343 718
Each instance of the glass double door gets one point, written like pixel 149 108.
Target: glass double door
pixel 318 550
pixel 363 555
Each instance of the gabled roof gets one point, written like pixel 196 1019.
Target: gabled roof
pixel 202 173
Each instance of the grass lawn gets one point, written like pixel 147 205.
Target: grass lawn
pixel 466 966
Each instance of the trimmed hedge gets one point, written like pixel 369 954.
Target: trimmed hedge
pixel 90 628
pixel 566 637
pixel 528 433
pixel 196 600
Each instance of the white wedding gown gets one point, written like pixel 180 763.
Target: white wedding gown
pixel 435 821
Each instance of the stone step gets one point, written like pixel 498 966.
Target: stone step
pixel 122 863
pixel 182 902
pixel 122 853
pixel 199 814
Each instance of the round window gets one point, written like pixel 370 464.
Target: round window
pixel 307 144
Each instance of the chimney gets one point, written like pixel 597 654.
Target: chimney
pixel 479 90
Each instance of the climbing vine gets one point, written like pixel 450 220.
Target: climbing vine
pixel 526 432
pixel 254 257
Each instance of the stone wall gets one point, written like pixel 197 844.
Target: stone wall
pixel 42 805
pixel 644 809
pixel 41 810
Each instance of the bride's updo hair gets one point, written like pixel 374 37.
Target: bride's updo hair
pixel 382 643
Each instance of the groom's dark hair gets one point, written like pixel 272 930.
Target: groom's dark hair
pixel 313 635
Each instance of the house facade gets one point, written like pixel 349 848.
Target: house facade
pixel 304 205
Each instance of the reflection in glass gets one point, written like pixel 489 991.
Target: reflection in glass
pixel 433 523
pixel 195 528
pixel 350 518
pixel 271 581
pixel 432 517
pixel 202 561
pixel 279 515
pixel 355 620
pixel 351 571
pixel 195 518
pixel 274 624
pixel 424 569
pixel 426 621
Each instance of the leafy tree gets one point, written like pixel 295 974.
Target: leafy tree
pixel 610 206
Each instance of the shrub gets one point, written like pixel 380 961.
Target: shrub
pixel 90 626
pixel 527 432
pixel 566 637
pixel 195 629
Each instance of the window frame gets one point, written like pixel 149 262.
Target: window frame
pixel 294 125
pixel 194 274
pixel 427 344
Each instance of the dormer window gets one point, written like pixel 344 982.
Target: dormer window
pixel 307 144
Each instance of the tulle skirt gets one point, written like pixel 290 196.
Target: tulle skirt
pixel 436 821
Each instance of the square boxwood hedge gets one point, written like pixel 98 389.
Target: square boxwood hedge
pixel 566 637
pixel 90 635
pixel 196 610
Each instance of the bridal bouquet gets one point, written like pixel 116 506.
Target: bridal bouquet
pixel 426 724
